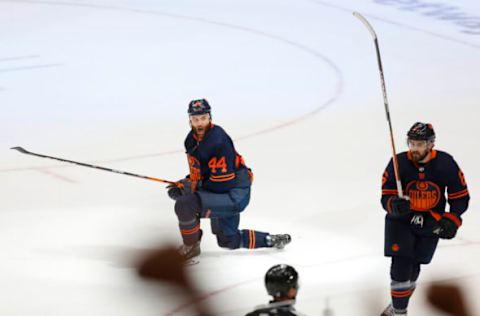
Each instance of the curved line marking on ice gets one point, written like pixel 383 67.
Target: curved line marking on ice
pixel 316 54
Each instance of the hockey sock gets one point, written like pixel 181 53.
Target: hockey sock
pixel 402 287
pixel 401 293
pixel 186 209
pixel 253 239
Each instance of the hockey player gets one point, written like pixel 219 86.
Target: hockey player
pixel 414 224
pixel 281 282
pixel 218 187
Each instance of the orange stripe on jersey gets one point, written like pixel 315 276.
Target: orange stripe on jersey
pixel 224 178
pixel 457 195
pixel 389 191
pixel 453 218
pixel 389 204
pixel 223 175
pixel 435 215
pixel 458 192
pixel 254 241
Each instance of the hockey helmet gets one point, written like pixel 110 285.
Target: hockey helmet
pixel 198 107
pixel 421 131
pixel 279 279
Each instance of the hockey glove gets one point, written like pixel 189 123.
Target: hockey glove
pixel 448 226
pixel 175 191
pixel 399 206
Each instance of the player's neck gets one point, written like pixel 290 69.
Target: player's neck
pixel 199 137
pixel 427 158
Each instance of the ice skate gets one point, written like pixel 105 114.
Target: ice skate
pixel 278 241
pixel 190 252
pixel 390 311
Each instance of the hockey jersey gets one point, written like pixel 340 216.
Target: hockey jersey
pixel 426 184
pixel 213 160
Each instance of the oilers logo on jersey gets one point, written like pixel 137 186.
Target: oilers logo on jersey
pixel 424 195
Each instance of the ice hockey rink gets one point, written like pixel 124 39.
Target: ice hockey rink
pixel 296 85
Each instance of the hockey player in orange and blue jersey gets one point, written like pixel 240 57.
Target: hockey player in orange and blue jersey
pixel 218 187
pixel 414 224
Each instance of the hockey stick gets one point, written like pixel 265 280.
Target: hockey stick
pixel 385 101
pixel 24 151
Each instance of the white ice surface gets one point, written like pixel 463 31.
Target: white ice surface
pixel 294 82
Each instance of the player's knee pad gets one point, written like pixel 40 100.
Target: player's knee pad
pixel 230 242
pixel 187 207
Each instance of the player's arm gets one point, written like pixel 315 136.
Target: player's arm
pixel 458 195
pixel 191 182
pixel 458 198
pixel 391 203
pixel 221 169
pixel 389 188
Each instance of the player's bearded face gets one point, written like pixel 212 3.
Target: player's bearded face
pixel 419 149
pixel 200 123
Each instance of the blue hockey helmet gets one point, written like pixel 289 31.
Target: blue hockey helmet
pixel 421 131
pixel 199 107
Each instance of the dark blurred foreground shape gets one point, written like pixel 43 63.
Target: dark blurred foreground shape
pixel 449 298
pixel 167 265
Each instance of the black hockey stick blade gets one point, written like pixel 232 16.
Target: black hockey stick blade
pixel 20 149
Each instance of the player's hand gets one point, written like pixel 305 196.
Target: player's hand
pixel 182 187
pixel 399 206
pixel 174 192
pixel 447 229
